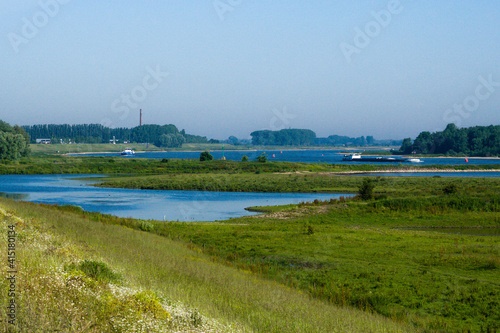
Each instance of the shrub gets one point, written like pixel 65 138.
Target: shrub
pixel 98 271
pixel 206 156
pixel 310 230
pixel 244 158
pixel 450 189
pixel 262 158
pixel 145 226
pixel 365 191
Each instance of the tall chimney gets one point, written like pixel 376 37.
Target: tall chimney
pixel 140 123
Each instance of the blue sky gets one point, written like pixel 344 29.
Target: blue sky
pixel 390 69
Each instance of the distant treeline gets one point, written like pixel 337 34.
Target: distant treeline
pixel 337 140
pixel 14 142
pixel 284 137
pixel 305 137
pixel 161 136
pixel 472 141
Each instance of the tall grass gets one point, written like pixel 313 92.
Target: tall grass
pixel 57 290
pixel 232 297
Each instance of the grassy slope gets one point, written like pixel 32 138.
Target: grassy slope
pixel 169 268
pixel 65 285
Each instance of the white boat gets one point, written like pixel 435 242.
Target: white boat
pixel 351 157
pixel 128 152
pixel 414 160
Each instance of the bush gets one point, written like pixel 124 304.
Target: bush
pixel 244 158
pixel 262 158
pixel 450 189
pixel 145 226
pixel 206 156
pixel 98 271
pixel 365 191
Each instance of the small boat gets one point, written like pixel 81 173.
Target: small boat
pixel 128 152
pixel 414 160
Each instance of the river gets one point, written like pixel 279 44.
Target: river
pixel 304 156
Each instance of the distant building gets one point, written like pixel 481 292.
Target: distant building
pixel 43 141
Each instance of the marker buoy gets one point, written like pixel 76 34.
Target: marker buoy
pixel 466 160
pixel 274 156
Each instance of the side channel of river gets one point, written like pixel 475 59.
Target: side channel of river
pixel 144 204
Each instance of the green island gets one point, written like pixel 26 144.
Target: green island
pixel 412 254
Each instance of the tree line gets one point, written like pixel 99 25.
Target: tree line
pixel 305 137
pixel 471 141
pixel 159 135
pixel 284 137
pixel 337 140
pixel 14 142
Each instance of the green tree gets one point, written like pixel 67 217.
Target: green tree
pixel 244 158
pixel 206 156
pixel 172 140
pixel 365 190
pixel 14 142
pixel 262 158
pixel 233 140
pixel 406 146
pixel 472 141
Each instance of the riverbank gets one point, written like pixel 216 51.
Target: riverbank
pixel 417 170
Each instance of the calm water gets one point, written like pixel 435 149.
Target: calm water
pixel 305 156
pixel 331 157
pixel 144 204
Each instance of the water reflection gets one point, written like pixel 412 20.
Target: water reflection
pixel 14 196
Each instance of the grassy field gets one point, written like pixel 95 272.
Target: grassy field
pixel 424 251
pixel 329 182
pixel 104 147
pixel 146 282
pixel 80 148
pixel 56 164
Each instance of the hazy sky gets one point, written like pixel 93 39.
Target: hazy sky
pixel 390 69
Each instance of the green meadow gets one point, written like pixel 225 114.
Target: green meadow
pixel 424 251
pixel 83 273
pixel 421 254
pixel 58 164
